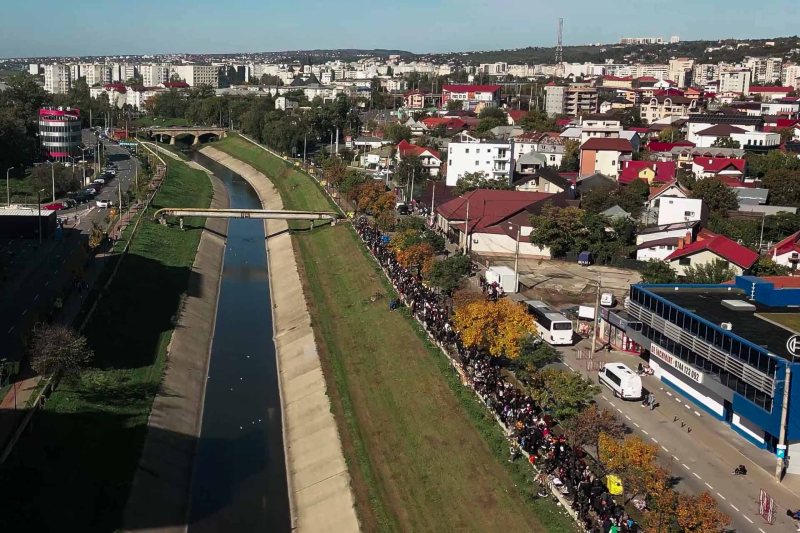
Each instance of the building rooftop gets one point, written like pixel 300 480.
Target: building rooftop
pixel 746 323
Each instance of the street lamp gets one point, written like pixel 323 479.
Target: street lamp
pixel 39 205
pixel 8 189
pixel 596 316
pixel 516 254
pixel 83 163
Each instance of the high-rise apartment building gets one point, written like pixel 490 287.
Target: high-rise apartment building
pixel 59 132
pixel 571 100
pixel 154 74
pixel 680 71
pixel 56 78
pixel 735 81
pixel 705 73
pixel 197 75
pixel 765 70
pixel 790 76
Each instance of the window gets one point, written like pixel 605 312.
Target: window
pixel 476 163
pixel 477 150
pixel 685 261
pixel 450 163
pixel 466 151
pixel 688 213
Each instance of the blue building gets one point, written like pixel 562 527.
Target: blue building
pixel 724 348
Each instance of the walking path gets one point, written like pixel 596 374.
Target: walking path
pixel 320 495
pixel 159 496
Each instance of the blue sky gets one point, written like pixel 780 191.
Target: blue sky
pixel 87 27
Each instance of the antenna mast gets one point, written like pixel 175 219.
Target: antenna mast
pixel 560 45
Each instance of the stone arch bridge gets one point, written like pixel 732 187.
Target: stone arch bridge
pixel 199 134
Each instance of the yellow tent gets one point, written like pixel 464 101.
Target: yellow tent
pixel 614 484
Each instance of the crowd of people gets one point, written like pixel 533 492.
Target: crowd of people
pixel 530 430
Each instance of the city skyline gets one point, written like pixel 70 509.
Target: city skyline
pixel 206 27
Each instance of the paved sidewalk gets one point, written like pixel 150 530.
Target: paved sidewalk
pixel 159 497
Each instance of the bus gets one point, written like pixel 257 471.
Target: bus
pixel 553 327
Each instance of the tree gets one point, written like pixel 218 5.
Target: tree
pixel 478 180
pixel 534 354
pixel 686 178
pixel 669 135
pixel 715 272
pixel 535 120
pixel 454 105
pixel 717 196
pixel 700 514
pixel 759 165
pixel 563 392
pixel 417 256
pixel 42 177
pixel 557 229
pixel 585 428
pixel 487 124
pixel 366 194
pixel 493 112
pixel 571 160
pixel 405 238
pixel 630 118
pixel 411 223
pixel 655 271
pixel 19 108
pixel 784 186
pixel 410 168
pixel 384 209
pixel 726 142
pixel 496 326
pixel 95 236
pixel 634 461
pixel 397 132
pixel 55 347
pixel 765 266
pixel 448 274
pixel 335 170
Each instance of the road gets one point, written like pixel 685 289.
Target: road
pixel 700 451
pixel 25 300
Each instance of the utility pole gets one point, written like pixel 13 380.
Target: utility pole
pixel 305 143
pixel 466 230
pixel 411 192
pixel 784 412
pixel 8 187
pixel 337 140
pixel 596 319
pixel 516 259
pixel 53 178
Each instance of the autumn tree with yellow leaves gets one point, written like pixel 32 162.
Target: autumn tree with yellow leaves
pixel 634 461
pixel 700 514
pixel 497 326
pixel 417 257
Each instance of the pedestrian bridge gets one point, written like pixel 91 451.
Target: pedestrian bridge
pixel 199 134
pixel 279 214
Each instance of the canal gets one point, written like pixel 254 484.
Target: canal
pixel 239 480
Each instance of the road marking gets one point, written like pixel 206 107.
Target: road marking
pixel 11 329
pixel 637 425
pixel 619 410
pixel 663 448
pixel 654 440
pixel 695 475
pixel 698 414
pixel 627 417
pixel 678 400
pixel 35 297
pixel 675 457
pixel 761 530
pixel 565 364
pixel 747 518
pixel 25 312
pixel 686 467
pixel 46 283
pixel 721 496
pixel 735 508
pixel 709 486
pixel 645 432
pixel 669 393
pixel 688 406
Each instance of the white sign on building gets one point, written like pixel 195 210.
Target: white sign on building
pixel 677 364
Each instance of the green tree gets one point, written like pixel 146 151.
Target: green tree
pixel 557 228
pixel 765 266
pixel 669 135
pixel 759 165
pixel 411 223
pixel 535 120
pixel 655 271
pixel 630 118
pixel 478 180
pixel 493 112
pixel 454 105
pixel 55 347
pixel 717 196
pixel 535 354
pixel 487 124
pixel 397 132
pixel 410 167
pixel 784 186
pixel 726 142
pixel 717 271
pixel 447 275
pixel 42 177
pixel 571 160
pixel 19 108
pixel 562 392
pixel 686 178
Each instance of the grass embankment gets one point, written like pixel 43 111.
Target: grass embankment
pixel 423 453
pixel 72 472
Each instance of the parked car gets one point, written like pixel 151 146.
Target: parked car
pixel 92 191
pixel 101 181
pixel 102 203
pixel 402 209
pixel 83 197
pixel 68 203
pixel 55 206
pixel 607 300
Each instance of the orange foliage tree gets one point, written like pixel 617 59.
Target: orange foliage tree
pixel 700 514
pixel 634 461
pixel 416 256
pixel 366 194
pixel 497 326
pixel 383 207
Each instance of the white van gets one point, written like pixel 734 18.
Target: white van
pixel 622 381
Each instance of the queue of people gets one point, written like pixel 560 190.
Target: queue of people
pixel 530 430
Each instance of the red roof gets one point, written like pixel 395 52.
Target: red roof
pixel 656 193
pixel 517 115
pixel 176 85
pixel 658 146
pixel 617 78
pixel 119 87
pixel 471 88
pixel 608 143
pixel 787 122
pixel 406 148
pixel 720 130
pixel 639 130
pixel 665 170
pixel 771 89
pixel 561 122
pixel 718 164
pixel 647 79
pixel 488 207
pixel 789 244
pixel 783 282
pixel 448 123
pixel 722 246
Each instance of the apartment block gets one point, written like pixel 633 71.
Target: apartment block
pixel 197 75
pixel 571 100
pixel 57 78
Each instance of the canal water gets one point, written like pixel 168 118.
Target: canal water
pixel 239 481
